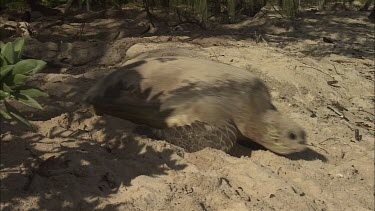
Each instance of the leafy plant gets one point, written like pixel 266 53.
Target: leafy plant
pixel 13 73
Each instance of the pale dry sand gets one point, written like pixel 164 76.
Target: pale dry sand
pixel 83 162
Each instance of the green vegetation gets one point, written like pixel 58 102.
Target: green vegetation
pixel 13 73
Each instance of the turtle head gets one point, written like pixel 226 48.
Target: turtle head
pixel 281 134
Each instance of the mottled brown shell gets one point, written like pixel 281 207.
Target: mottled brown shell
pixel 178 92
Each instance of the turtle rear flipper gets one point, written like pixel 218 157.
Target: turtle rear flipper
pixel 196 136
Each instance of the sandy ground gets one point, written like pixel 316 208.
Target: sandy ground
pixel 83 162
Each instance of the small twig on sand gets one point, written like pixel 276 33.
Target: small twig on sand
pixel 79 34
pixel 149 14
pixel 257 16
pixel 336 70
pixel 313 145
pixel 81 30
pixel 30 176
pixel 338 113
pixel 317 70
pixel 215 55
pixel 34 155
pixel 327 140
pixel 187 20
pixel 276 9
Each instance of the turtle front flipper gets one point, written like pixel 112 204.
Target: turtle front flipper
pixel 196 136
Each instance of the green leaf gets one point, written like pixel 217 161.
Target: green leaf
pixel 12 80
pixel 1 45
pixel 29 66
pixel 4 70
pixel 19 79
pixel 18 46
pixel 32 92
pixel 16 114
pixel 3 62
pixel 3 94
pixel 5 114
pixel 27 100
pixel 8 53
pixel 6 88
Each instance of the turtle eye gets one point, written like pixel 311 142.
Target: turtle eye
pixel 292 136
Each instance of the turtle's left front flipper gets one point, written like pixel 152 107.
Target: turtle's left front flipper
pixel 196 136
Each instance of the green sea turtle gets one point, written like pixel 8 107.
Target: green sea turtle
pixel 195 103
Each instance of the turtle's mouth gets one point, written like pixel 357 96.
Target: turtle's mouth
pixel 283 148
